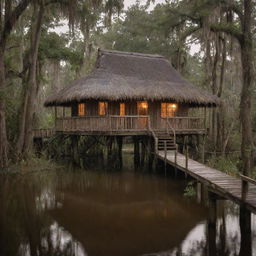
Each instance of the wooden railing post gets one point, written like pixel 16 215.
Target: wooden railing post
pixel 165 156
pixel 245 185
pixel 149 124
pixel 204 117
pixel 175 159
pixel 186 163
pixel 109 122
pixel 55 115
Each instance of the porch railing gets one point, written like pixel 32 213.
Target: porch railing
pixel 184 123
pixel 102 123
pixel 125 123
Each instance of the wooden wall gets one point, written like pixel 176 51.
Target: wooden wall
pixel 154 109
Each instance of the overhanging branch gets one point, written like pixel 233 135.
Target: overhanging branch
pixel 12 19
pixel 229 29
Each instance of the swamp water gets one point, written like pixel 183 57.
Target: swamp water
pixel 109 213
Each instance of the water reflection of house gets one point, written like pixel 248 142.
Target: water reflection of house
pixel 107 222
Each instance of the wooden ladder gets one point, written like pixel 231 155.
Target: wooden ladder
pixel 165 141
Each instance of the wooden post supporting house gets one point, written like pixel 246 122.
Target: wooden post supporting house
pixel 211 225
pixel 142 151
pixel 109 147
pixel 246 231
pixel 75 150
pixel 151 154
pixel 136 151
pixel 120 150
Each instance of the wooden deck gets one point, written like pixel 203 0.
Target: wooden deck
pixel 218 182
pixel 43 133
pixel 121 125
pixel 127 125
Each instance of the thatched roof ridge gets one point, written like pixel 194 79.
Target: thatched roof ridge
pixel 132 76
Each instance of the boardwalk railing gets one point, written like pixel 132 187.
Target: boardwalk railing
pixel 245 185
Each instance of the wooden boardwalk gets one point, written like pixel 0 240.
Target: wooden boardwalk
pixel 224 185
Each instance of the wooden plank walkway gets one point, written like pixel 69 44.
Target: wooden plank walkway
pixel 218 182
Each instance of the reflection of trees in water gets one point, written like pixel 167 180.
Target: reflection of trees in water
pixel 25 227
pixel 54 241
pixel 229 241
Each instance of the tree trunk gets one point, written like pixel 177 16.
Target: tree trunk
pixel 28 106
pixel 245 103
pixel 3 132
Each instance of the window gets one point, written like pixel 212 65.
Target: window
pixel 142 108
pixel 81 109
pixel 103 107
pixel 168 109
pixel 122 109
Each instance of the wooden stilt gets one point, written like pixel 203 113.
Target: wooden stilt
pixel 165 157
pixel 186 159
pixel 120 150
pixel 203 150
pixel 246 231
pixel 136 152
pixel 75 150
pixel 151 154
pixel 211 225
pixel 142 151
pixel 109 148
pixel 199 192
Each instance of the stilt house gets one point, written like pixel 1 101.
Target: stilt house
pixel 130 94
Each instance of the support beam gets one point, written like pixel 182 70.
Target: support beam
pixel 75 150
pixel 143 150
pixel 211 225
pixel 246 232
pixel 119 140
pixel 136 151
pixel 109 147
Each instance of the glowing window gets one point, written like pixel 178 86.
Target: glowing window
pixel 103 107
pixel 168 109
pixel 81 109
pixel 122 109
pixel 142 108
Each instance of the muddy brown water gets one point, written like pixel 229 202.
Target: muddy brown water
pixel 104 213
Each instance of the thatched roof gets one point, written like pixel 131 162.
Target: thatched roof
pixel 132 76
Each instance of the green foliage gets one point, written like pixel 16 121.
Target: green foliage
pixel 229 165
pixel 190 190
pixel 149 36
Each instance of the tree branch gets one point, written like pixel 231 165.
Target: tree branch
pixel 189 32
pixel 236 8
pixel 229 29
pixel 12 19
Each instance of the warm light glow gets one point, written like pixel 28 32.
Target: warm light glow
pixel 81 109
pixel 144 105
pixel 103 106
pixel 174 106
pixel 168 109
pixel 122 109
pixel 142 108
